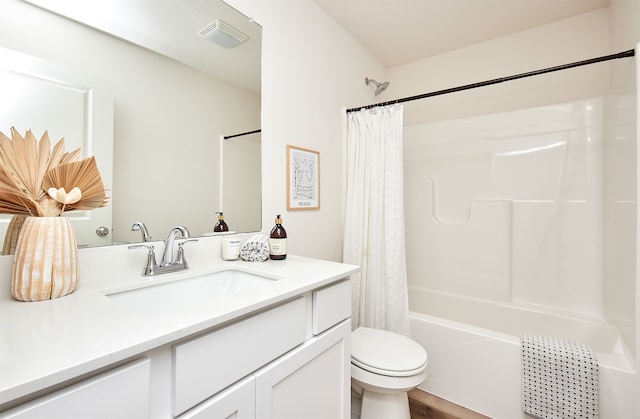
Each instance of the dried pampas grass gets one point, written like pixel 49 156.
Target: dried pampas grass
pixel 28 168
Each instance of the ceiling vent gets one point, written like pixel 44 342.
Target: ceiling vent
pixel 223 34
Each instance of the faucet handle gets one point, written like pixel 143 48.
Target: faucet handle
pixel 151 264
pixel 182 242
pixel 180 256
pixel 148 246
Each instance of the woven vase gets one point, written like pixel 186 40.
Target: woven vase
pixel 45 264
pixel 12 234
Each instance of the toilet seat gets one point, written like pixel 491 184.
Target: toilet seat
pixel 386 353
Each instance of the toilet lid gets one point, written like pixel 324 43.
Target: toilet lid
pixel 386 353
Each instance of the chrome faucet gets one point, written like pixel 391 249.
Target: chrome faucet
pixel 139 226
pixel 167 256
pixel 168 263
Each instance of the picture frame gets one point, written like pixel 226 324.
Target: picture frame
pixel 303 179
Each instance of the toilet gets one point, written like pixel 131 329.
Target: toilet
pixel 384 367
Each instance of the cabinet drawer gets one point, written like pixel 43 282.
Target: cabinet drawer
pixel 205 365
pixel 237 402
pixel 119 393
pixel 331 305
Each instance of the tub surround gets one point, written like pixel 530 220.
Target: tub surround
pixel 461 356
pixel 523 222
pixel 49 342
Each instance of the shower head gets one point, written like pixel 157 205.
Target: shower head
pixel 380 87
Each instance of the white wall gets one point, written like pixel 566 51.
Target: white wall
pixel 562 42
pixel 311 69
pixel 624 24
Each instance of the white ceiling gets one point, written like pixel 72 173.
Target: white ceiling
pixel 398 32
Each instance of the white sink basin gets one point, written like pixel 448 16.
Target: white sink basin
pixel 160 294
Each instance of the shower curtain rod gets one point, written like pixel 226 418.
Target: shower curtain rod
pixel 227 137
pixel 625 54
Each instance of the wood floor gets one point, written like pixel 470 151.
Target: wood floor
pixel 427 406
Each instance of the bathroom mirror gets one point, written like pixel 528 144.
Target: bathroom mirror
pixel 177 91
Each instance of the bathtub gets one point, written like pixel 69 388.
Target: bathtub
pixel 474 352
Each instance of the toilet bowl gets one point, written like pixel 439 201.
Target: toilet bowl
pixel 385 366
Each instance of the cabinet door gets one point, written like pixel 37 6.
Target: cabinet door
pixel 120 393
pixel 237 402
pixel 312 381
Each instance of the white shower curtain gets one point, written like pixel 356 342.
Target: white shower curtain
pixel 374 219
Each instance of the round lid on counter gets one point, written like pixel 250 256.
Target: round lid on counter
pixel 386 353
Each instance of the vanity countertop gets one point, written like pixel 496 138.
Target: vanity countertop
pixel 48 342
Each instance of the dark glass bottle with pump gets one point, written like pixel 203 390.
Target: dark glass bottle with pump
pixel 221 225
pixel 278 241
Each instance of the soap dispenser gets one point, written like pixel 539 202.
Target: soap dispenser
pixel 278 241
pixel 220 225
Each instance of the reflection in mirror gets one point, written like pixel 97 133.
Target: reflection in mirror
pixel 175 94
pixel 55 99
pixel 241 182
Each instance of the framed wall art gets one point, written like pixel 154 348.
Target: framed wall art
pixel 303 178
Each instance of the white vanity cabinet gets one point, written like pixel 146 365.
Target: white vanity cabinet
pixel 312 380
pixel 122 392
pixel 286 360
